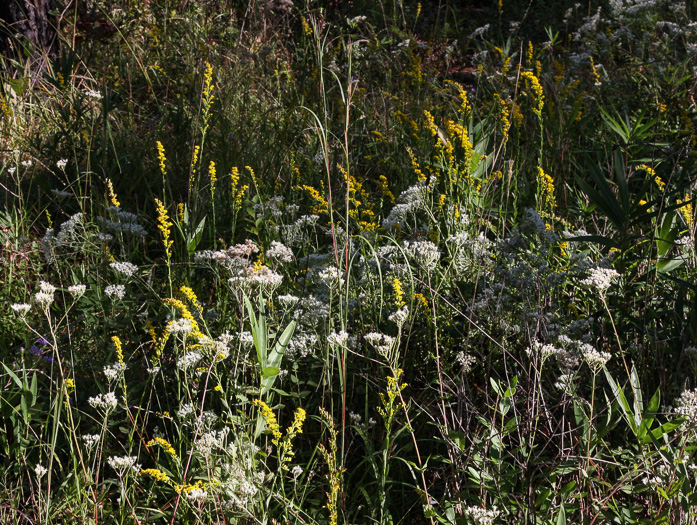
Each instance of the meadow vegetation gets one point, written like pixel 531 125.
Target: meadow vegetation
pixel 350 262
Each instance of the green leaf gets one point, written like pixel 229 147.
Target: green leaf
pixel 270 371
pixel 13 376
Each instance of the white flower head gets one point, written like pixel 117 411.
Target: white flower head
pixel 338 339
pixel 21 309
pixel 114 372
pixel 600 279
pixel 188 360
pixel 40 471
pixel 77 290
pixel 90 440
pixel 124 465
pixel 115 291
pixel 105 403
pixel 596 360
pixel 124 268
pixel 279 252
pixel 197 496
pixel 400 316
pixel 62 164
pixel 180 326
pixel 687 406
pixel 43 299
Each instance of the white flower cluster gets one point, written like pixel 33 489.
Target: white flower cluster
pixel 246 339
pixel 91 93
pixel 114 372
pixel 104 402
pixel 425 253
pixel 687 406
pixel 186 410
pixel 288 300
pixel 237 256
pixel 44 298
pixel 188 360
pixel 21 309
pixel 77 290
pixel 596 360
pixel 381 342
pixel 600 279
pixel 115 291
pixel 124 222
pixel 301 345
pixel 61 164
pixel 298 232
pixel 544 350
pixel 467 361
pixel 197 496
pixel 400 316
pixel 332 277
pixel 90 440
pixel 180 326
pixel 40 471
pixel 409 202
pixel 210 441
pixel 338 339
pixel 123 464
pixel 124 268
pixel 279 252
pixel 482 516
pixel 565 383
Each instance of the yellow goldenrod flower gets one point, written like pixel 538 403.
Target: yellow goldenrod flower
pixel 164 226
pixel 545 188
pixel 398 293
pixel 164 444
pixel 214 178
pixel 156 474
pixel 270 419
pixel 321 204
pixel 161 157
pixel 191 296
pixel 112 194
pixel 119 349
